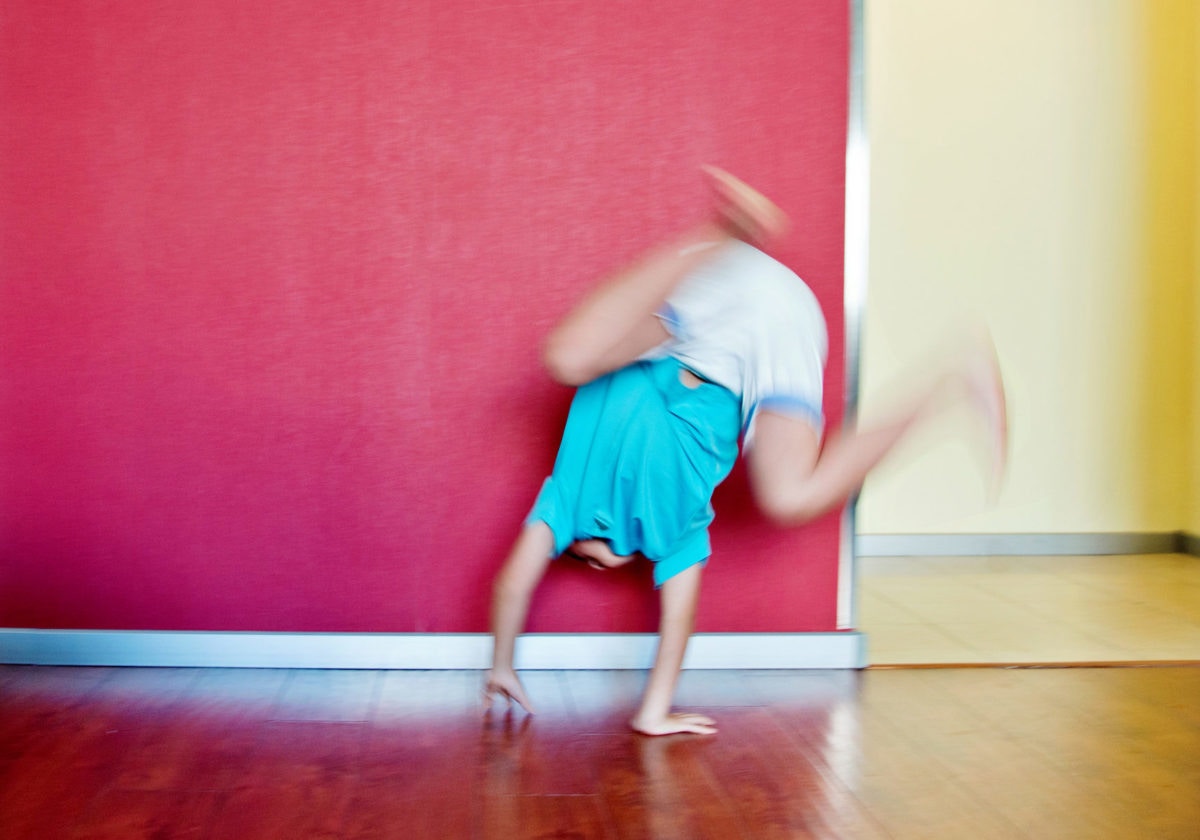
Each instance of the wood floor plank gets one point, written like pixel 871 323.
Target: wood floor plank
pixel 574 817
pixel 328 695
pixel 298 782
pixel 233 695
pixel 46 790
pixel 411 696
pixel 286 810
pixel 662 788
pixel 533 758
pixel 24 683
pixel 38 700
pixel 713 688
pixel 416 776
pixel 142 692
pixel 36 808
pixel 1101 754
pixel 208 732
pixel 1040 709
pixel 303 752
pixel 899 784
pixel 125 814
pixel 378 813
pixel 1034 794
pixel 190 755
pixel 1128 751
pixel 777 788
pixel 603 702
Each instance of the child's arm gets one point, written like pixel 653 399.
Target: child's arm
pixel 514 587
pixel 678 598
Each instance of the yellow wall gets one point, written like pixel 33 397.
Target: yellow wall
pixel 1022 173
pixel 1169 237
pixel 1192 517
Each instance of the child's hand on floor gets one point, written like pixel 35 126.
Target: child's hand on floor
pixel 505 683
pixel 674 723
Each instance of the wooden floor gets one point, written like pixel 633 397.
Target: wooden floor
pixel 246 754
pixel 1030 609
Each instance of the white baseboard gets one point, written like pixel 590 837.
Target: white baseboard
pixel 1026 545
pixel 421 651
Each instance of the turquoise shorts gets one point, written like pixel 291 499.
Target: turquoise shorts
pixel 640 457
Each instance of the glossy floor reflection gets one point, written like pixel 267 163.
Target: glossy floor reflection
pixel 992 753
pixel 1031 609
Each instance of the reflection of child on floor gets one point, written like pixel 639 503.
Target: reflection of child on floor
pixel 702 341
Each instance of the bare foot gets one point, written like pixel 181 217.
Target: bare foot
pixel 746 213
pixel 985 386
pixel 675 723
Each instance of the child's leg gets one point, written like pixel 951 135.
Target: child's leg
pixel 522 571
pixel 616 323
pixel 795 481
pixel 678 597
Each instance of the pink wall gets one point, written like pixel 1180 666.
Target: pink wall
pixel 274 275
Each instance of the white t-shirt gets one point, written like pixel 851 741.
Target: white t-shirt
pixel 746 322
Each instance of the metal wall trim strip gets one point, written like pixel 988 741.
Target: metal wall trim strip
pixel 420 651
pixel 980 545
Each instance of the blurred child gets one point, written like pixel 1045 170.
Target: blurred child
pixel 703 341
